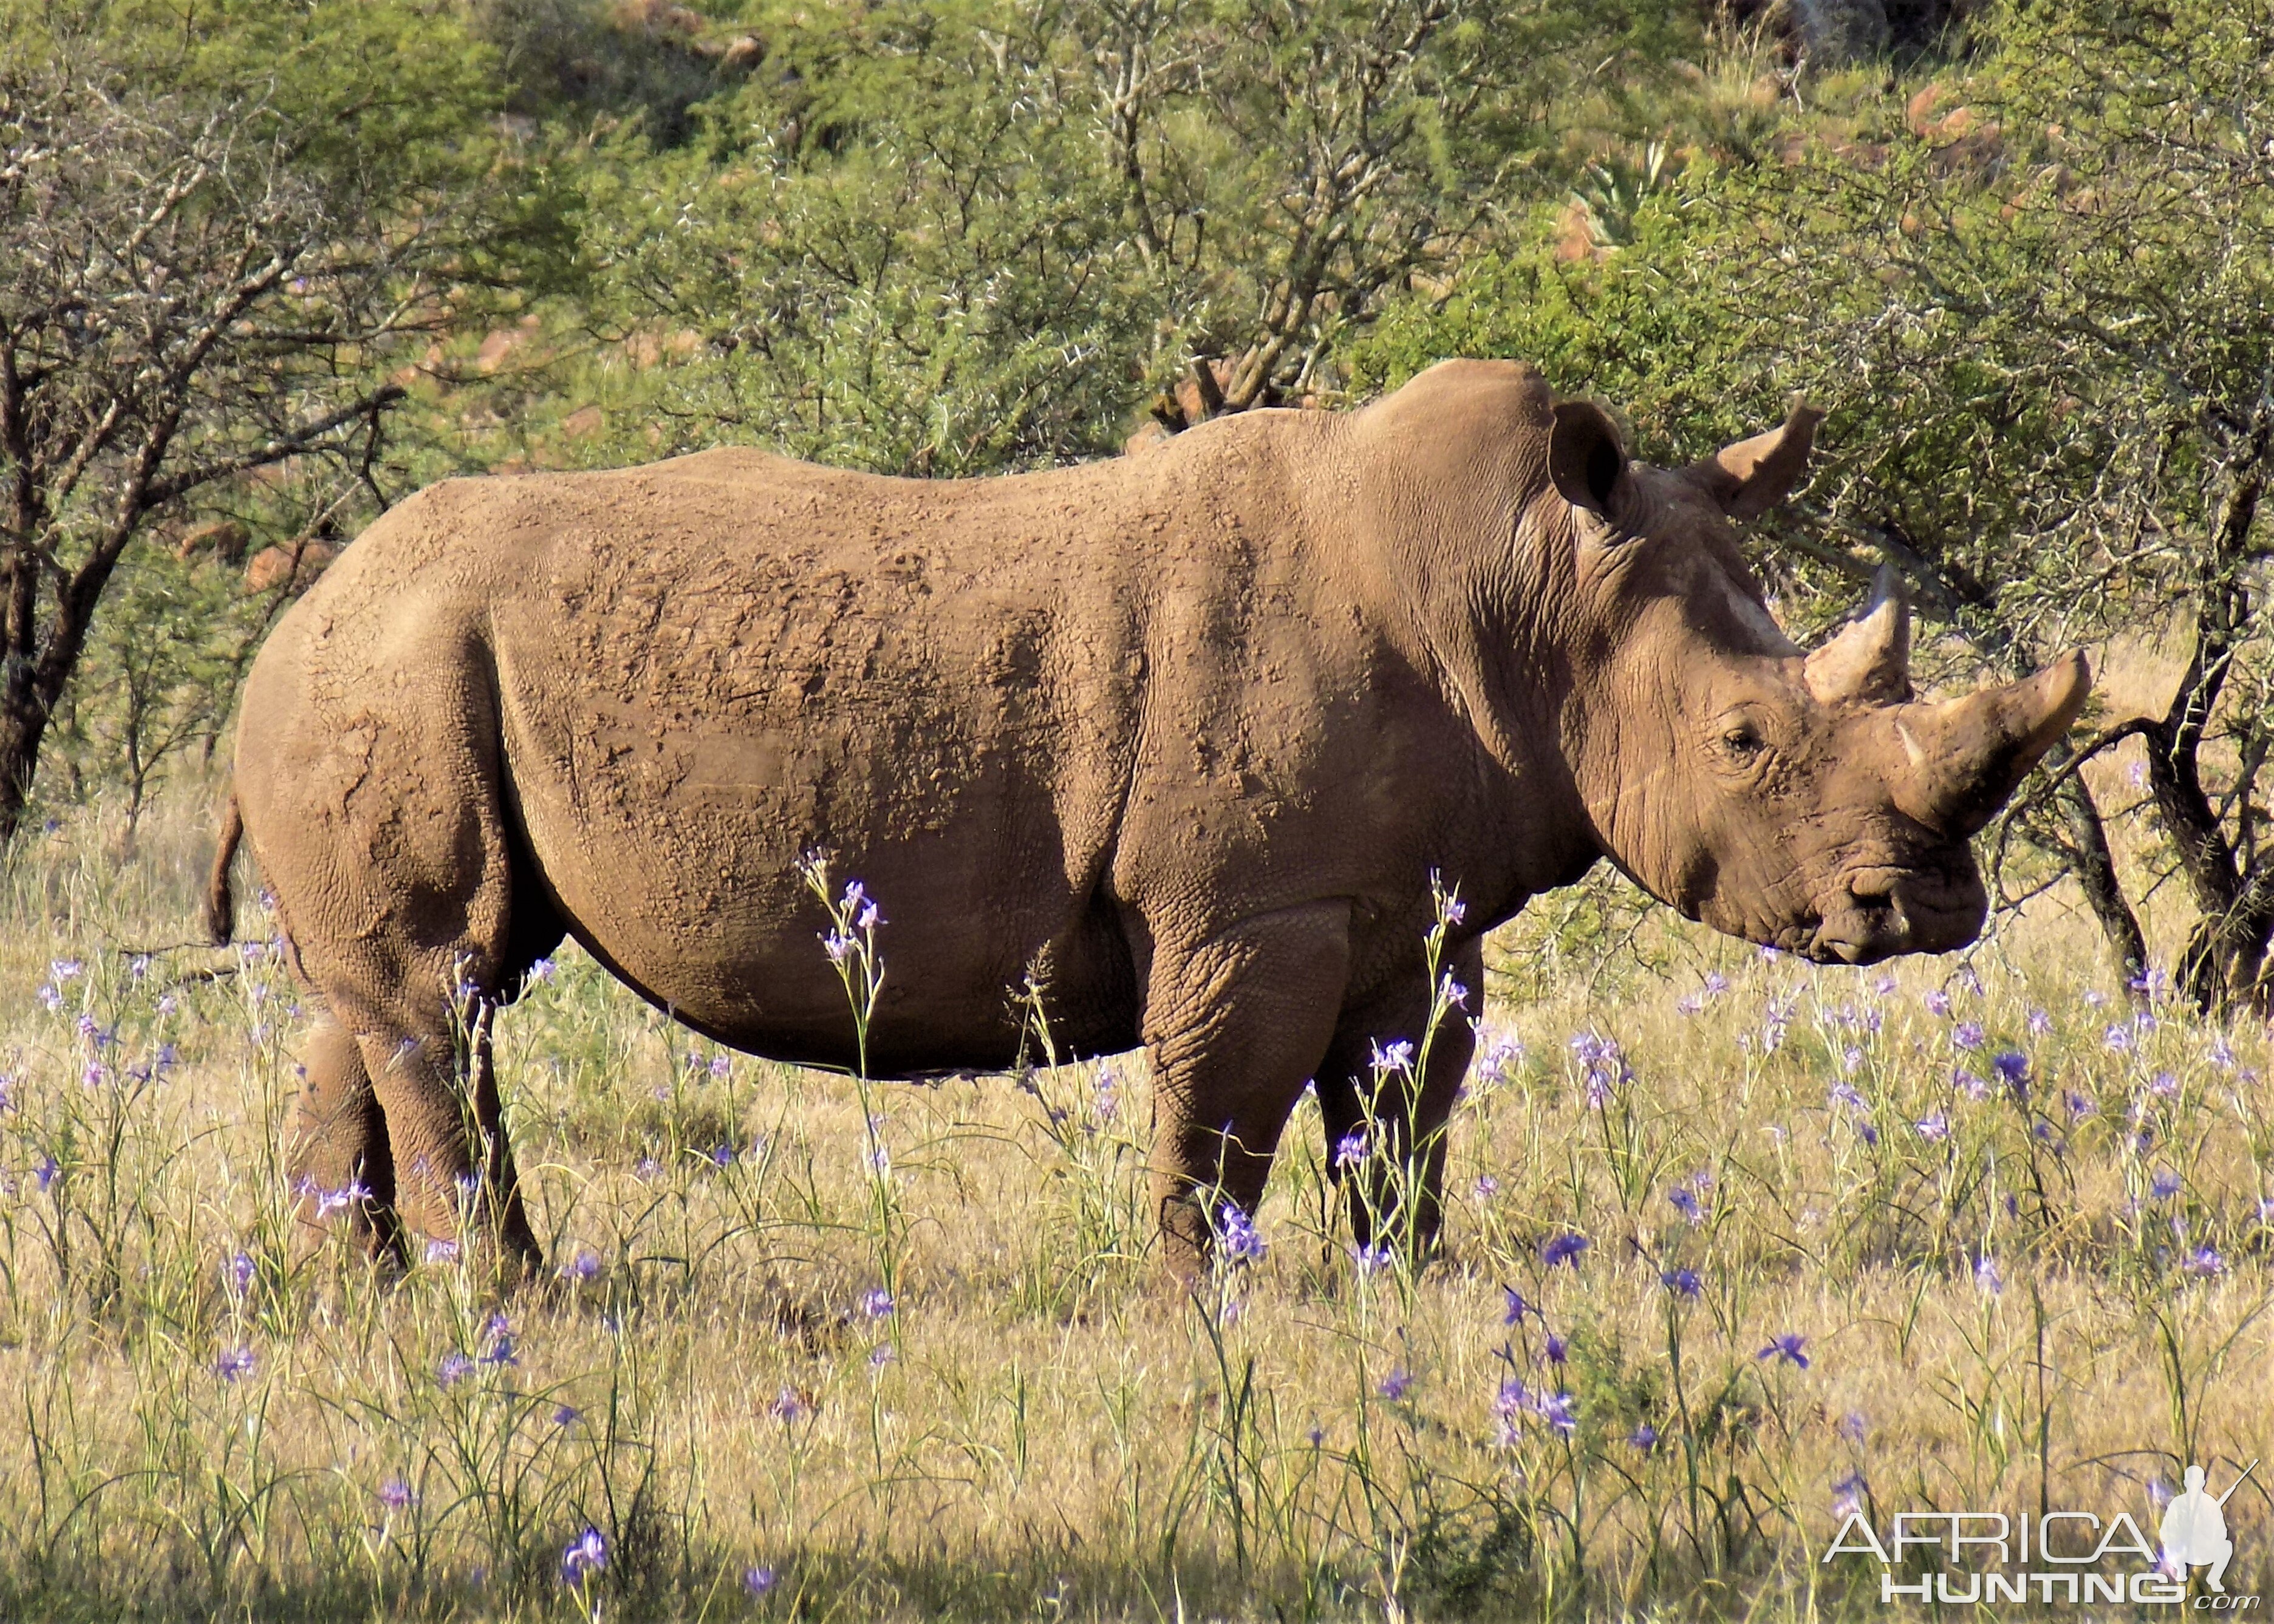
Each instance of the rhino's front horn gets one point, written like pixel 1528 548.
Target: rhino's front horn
pixel 1967 755
pixel 1869 662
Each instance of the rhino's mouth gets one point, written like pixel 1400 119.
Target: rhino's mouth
pixel 1878 912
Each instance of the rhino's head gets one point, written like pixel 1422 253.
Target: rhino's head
pixel 1807 801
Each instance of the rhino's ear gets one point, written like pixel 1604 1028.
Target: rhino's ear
pixel 1584 458
pixel 1753 476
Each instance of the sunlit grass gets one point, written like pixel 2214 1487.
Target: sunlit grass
pixel 785 1371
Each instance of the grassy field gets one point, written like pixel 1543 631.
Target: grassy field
pixel 1977 1233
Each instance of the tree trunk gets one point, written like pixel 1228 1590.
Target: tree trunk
pixel 23 726
pixel 2095 869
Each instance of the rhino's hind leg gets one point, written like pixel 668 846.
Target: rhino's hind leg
pixel 455 1180
pixel 380 824
pixel 1236 1025
pixel 341 1169
pixel 1394 1190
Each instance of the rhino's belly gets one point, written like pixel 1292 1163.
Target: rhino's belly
pixel 680 856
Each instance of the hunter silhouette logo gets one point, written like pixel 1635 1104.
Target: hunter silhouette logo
pixel 2195 1528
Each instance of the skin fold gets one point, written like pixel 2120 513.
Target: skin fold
pixel 1185 735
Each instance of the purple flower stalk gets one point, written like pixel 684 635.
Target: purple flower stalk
pixel 1681 1282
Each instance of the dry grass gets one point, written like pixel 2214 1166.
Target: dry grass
pixel 1040 1430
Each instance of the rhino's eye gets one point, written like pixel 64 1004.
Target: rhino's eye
pixel 1742 739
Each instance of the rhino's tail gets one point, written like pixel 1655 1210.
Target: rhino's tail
pixel 221 907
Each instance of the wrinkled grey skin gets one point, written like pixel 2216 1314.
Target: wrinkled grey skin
pixel 1186 732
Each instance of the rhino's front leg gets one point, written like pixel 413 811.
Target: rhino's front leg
pixel 1235 1024
pixel 1393 1117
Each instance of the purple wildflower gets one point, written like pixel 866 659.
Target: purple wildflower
pixel 330 1201
pixel 789 1406
pixel 758 1581
pixel 454 1368
pixel 1517 1308
pixel 2165 1184
pixel 584 1265
pixel 1968 1034
pixel 1394 1385
pixel 1558 1350
pixel 1849 1494
pixel 1987 1279
pixel 1514 1399
pixel 2013 1069
pixel 1487 1186
pixel 235 1363
pixel 1853 1427
pixel 1398 1056
pixel 1937 1002
pixel 1559 1411
pixel 1787 1347
pixel 566 1416
pixel 1644 1438
pixel 1371 1258
pixel 2204 1262
pixel 1349 1150
pixel 876 1303
pixel 1239 1242
pixel 396 1494
pixel 1681 1282
pixel 1933 1128
pixel 1564 1248
pixel 237 1273
pixel 500 1349
pixel 584 1556
pixel 1685 1201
